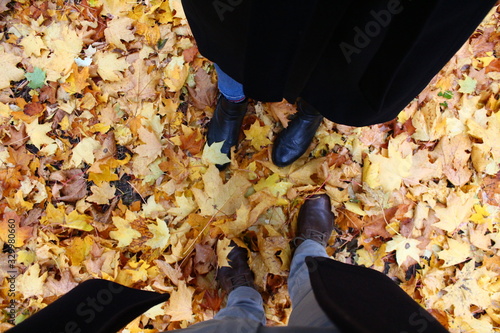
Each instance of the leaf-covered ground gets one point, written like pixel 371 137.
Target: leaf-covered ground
pixel 103 172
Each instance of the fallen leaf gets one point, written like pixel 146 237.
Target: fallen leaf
pixel 102 194
pixel 124 233
pixel 456 252
pixel 118 30
pixel 10 71
pixel 257 134
pixel 223 248
pixel 404 247
pixel 212 154
pixel 180 306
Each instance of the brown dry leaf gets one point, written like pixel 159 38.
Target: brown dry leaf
pixel 140 85
pixel 281 111
pixel 454 153
pixel 70 185
pixel 205 92
pixel 270 244
pixel 59 287
pixel 204 259
pixel 3 5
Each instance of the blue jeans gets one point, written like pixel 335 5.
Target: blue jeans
pixel 228 87
pixel 244 312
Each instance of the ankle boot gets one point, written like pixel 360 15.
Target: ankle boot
pixel 225 124
pixel 239 274
pixel 294 140
pixel 315 220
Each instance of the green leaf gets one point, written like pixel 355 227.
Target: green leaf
pixel 36 79
pixel 446 94
pixel 468 85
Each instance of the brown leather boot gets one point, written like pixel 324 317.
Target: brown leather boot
pixel 239 274
pixel 315 220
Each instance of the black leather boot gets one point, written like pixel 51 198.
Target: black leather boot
pixel 239 274
pixel 225 125
pixel 294 140
pixel 315 220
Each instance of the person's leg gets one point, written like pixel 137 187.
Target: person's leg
pixel 306 310
pixel 299 284
pixel 227 119
pixel 244 312
pixel 315 225
pixel 230 88
pixel 244 302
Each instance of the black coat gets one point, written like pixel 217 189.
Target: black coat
pixel 356 299
pixel 358 62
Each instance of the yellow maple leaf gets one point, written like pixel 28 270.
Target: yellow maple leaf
pixel 30 283
pixel 77 81
pixel 78 250
pixel 118 29
pixel 223 249
pixel 270 243
pixel 233 228
pixel 404 247
pixel 115 7
pixel 176 73
pixel 489 135
pixel 53 214
pixel 389 171
pixel 106 174
pixel 10 226
pixel 456 253
pixel 151 148
pixel 273 185
pixel 125 233
pixel 84 151
pixel 138 271
pixel 185 206
pixel 180 306
pixel 32 44
pixel 38 133
pixel 10 72
pixel 454 153
pixel 457 210
pixel 109 66
pixel 101 194
pixel 258 135
pixel 152 209
pixel 369 259
pixel 161 235
pixel 75 220
pixel 466 291
pixel 212 154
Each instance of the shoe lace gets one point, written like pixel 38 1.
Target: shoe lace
pixel 315 235
pixel 240 280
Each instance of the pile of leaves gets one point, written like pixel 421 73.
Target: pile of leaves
pixel 105 172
